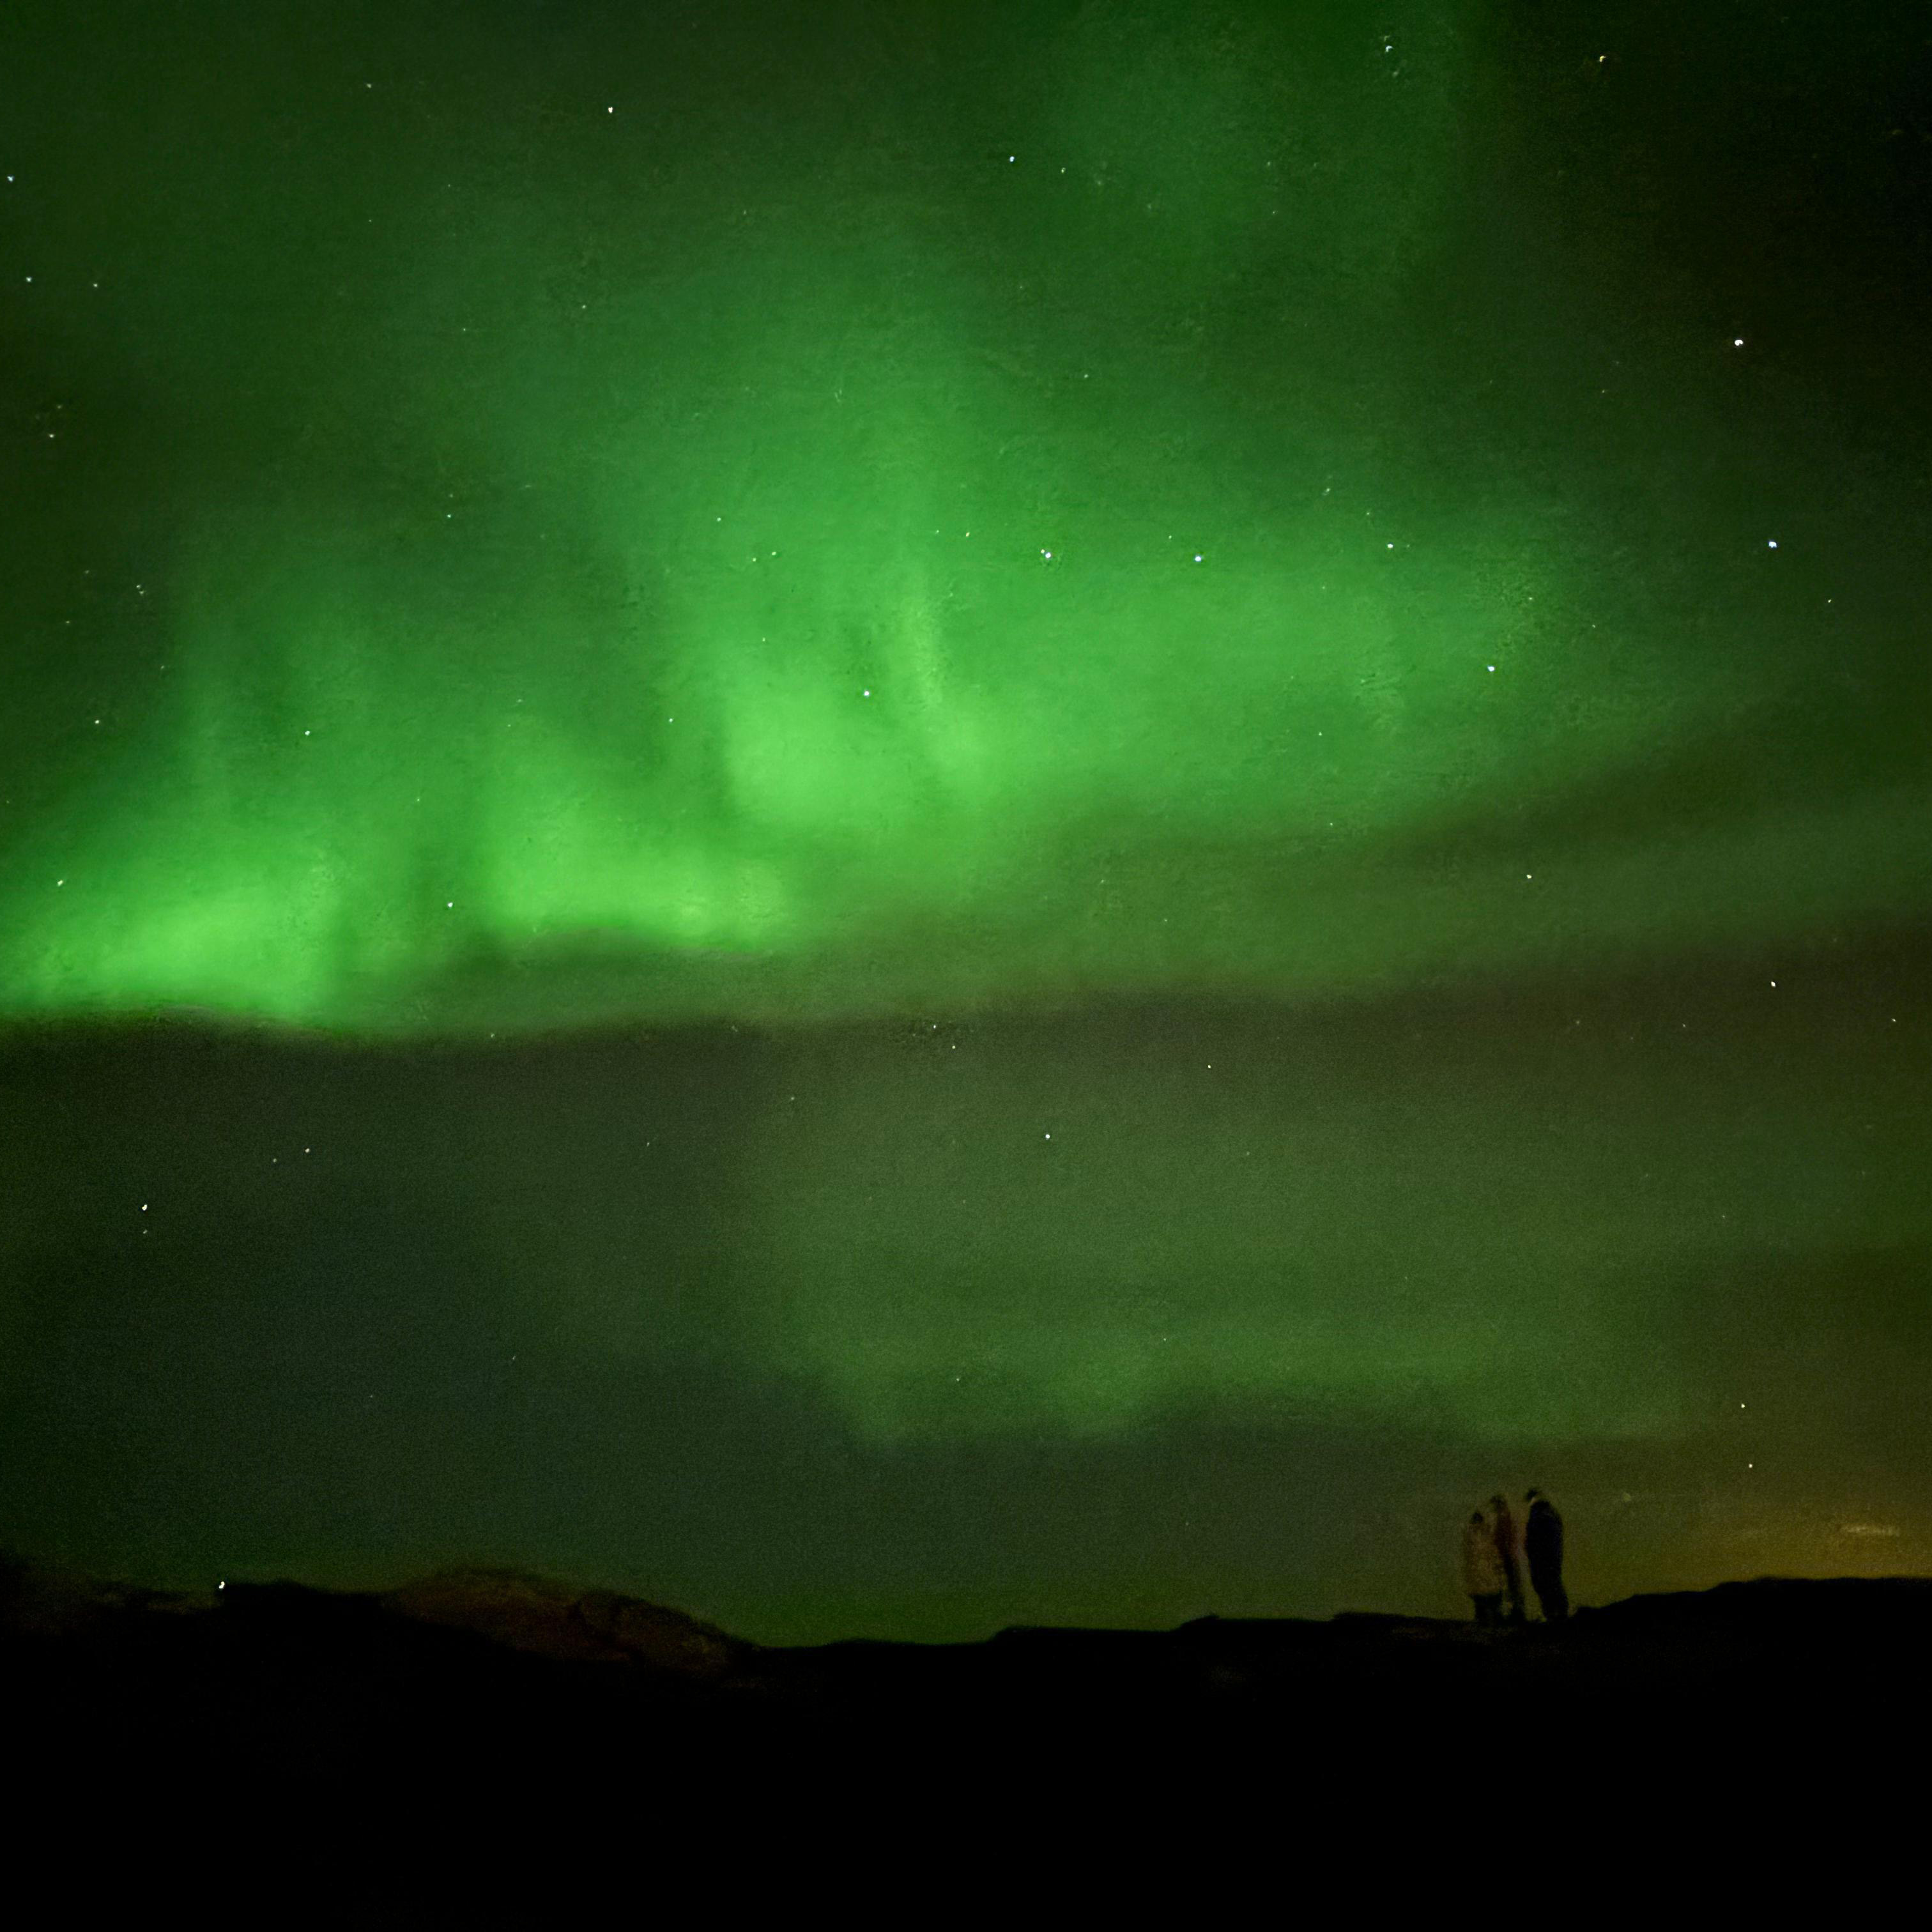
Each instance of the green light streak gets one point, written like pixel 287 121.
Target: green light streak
pixel 807 581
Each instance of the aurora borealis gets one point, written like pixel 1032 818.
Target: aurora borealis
pixel 888 816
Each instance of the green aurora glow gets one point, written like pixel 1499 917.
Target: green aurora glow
pixel 827 569
pixel 1222 705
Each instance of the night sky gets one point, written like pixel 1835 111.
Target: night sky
pixel 890 817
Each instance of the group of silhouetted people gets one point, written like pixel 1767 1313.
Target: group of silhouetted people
pixel 1493 1555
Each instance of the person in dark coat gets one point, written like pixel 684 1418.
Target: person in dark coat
pixel 1543 1544
pixel 1503 1526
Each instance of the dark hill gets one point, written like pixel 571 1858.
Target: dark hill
pixel 487 1675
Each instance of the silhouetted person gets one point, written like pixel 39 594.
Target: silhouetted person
pixel 1503 1525
pixel 1543 1544
pixel 1482 1570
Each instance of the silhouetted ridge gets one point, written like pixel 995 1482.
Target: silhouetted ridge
pixel 474 1673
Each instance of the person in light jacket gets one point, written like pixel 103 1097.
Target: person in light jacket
pixel 1482 1569
pixel 1504 1526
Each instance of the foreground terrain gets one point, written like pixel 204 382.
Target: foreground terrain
pixel 482 1676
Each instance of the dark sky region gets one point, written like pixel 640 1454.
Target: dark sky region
pixel 890 817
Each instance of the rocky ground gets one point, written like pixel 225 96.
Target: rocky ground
pixel 472 1678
